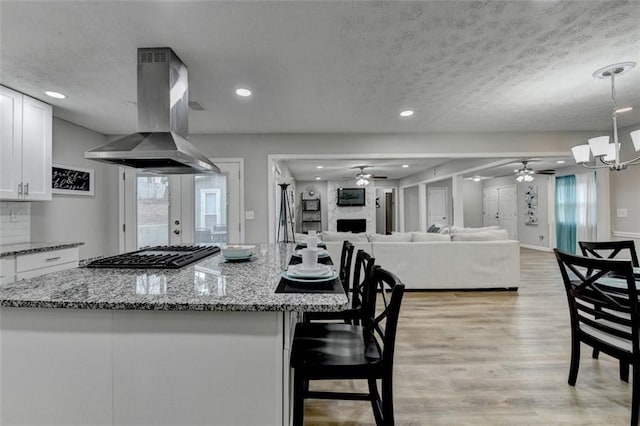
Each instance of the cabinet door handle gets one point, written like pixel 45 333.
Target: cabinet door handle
pixel 26 189
pixel 20 188
pixel 51 259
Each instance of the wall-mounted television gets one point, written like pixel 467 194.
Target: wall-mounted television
pixel 351 197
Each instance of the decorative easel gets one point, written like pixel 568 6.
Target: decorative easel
pixel 286 216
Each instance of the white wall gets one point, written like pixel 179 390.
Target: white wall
pixel 472 195
pixel 69 218
pixel 411 209
pixel 15 222
pixel 625 193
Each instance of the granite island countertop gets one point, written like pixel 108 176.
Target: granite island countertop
pixel 18 249
pixel 212 284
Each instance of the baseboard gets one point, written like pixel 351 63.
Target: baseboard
pixel 532 247
pixel 440 290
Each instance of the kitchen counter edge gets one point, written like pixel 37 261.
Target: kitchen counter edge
pixel 8 250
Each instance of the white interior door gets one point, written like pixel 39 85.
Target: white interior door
pixel 182 209
pixel 500 208
pixel 490 207
pixel 508 211
pixel 437 206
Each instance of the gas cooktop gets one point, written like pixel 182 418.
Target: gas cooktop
pixel 160 257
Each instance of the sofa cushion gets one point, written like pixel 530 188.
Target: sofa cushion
pixel 490 235
pixel 342 236
pixel 400 237
pixel 458 229
pixel 429 236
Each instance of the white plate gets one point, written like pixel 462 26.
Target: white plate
pixel 333 276
pixel 237 251
pixel 321 253
pixel 300 271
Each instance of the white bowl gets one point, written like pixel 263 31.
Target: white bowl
pixel 237 251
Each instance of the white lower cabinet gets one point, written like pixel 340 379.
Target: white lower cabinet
pixel 7 270
pixel 33 265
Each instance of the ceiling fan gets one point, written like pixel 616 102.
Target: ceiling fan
pixel 525 173
pixel 363 179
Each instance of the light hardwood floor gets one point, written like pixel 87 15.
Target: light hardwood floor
pixel 491 358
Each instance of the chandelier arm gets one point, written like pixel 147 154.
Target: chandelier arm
pixel 606 163
pixel 586 166
pixel 633 162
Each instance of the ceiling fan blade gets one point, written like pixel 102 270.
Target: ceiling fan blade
pixel 379 177
pixel 546 172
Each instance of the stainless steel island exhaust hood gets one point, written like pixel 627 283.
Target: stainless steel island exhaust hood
pixel 161 144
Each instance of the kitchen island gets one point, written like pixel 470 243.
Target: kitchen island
pixel 204 344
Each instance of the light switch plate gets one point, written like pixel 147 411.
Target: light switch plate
pixel 14 216
pixel 621 213
pixel 249 215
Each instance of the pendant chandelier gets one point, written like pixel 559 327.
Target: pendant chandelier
pixel 608 154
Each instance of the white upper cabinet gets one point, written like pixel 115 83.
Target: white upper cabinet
pixel 25 147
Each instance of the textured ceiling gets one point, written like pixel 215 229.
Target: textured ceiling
pixel 347 66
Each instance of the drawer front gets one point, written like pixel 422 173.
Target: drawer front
pixel 47 259
pixel 7 270
pixel 42 271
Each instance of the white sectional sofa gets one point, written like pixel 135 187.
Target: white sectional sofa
pixel 448 262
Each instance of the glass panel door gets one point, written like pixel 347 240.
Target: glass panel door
pixel 181 209
pixel 211 224
pixel 152 210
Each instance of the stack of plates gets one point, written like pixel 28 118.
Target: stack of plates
pixel 318 274
pixel 238 252
pixel 321 253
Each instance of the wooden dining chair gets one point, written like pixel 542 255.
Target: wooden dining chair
pixel 612 250
pixel 362 268
pixel 603 306
pixel 334 351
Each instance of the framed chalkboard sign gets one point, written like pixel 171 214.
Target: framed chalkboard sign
pixel 71 180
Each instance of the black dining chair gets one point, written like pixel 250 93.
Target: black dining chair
pixel 362 268
pixel 334 351
pixel 612 250
pixel 603 306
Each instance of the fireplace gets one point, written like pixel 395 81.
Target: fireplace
pixel 352 225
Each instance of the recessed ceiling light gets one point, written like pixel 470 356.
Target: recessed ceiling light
pixel 243 92
pixel 404 166
pixel 476 178
pixel 624 109
pixel 560 162
pixel 406 113
pixel 56 95
pixel 318 178
pixel 319 167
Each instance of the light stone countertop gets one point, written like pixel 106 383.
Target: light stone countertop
pixel 212 284
pixel 18 249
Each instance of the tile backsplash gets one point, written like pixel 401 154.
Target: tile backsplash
pixel 15 222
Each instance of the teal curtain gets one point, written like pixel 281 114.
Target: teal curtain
pixel 566 213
